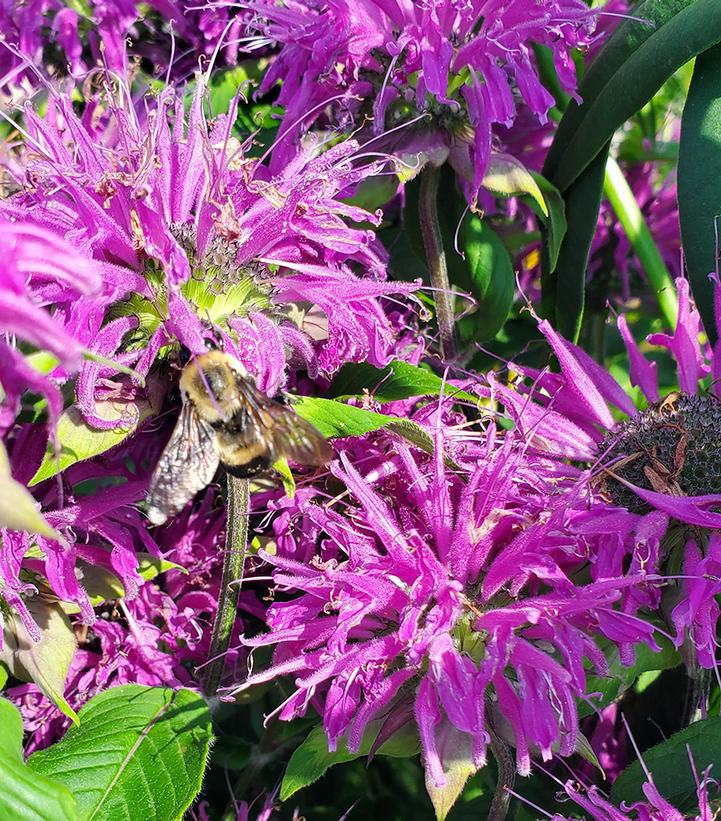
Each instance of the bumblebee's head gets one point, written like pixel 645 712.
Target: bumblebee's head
pixel 213 337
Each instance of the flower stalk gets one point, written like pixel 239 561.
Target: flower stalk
pixel 436 258
pixel 233 562
pixel 619 194
pixel 504 782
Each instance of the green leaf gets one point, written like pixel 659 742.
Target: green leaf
pixel 79 441
pixel 585 750
pixel 26 795
pixel 669 764
pixel 282 467
pixel 457 761
pixel 139 752
pixel 18 508
pixel 555 224
pixel 632 66
pixel 508 177
pixel 699 172
pixel 565 287
pixel 311 759
pixel 337 420
pixel 45 662
pixel 620 677
pixel 488 275
pixel 399 380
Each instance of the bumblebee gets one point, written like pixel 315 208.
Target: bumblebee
pixel 225 419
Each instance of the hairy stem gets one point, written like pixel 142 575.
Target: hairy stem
pixel 506 777
pixel 436 258
pixel 233 561
pixel 623 202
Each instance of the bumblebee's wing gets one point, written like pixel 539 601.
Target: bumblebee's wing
pixel 295 438
pixel 186 466
pixel 262 430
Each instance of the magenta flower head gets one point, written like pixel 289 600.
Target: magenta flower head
pixel 55 38
pixel 446 598
pixel 661 458
pixel 39 270
pixel 177 238
pixel 188 231
pixel 462 66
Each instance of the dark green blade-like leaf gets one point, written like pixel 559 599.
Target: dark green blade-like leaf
pixel 555 224
pixel 25 795
pixel 568 281
pixel 699 173
pixel 670 767
pixel 634 64
pixel 139 752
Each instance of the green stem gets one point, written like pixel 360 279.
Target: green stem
pixel 436 258
pixel 233 560
pixel 623 202
pixel 506 777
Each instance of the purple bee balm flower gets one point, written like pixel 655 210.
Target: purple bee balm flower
pixel 656 808
pixel 663 457
pixel 464 65
pixel 185 226
pixel 58 39
pixel 446 598
pixel 39 271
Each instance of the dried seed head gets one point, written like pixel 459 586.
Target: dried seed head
pixel 673 446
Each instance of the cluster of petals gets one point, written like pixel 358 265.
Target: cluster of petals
pixel 40 271
pixel 446 597
pixel 574 413
pixel 467 58
pixel 76 38
pixel 141 191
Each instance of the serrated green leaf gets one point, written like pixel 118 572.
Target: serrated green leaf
pixel 338 420
pixel 312 759
pixel 45 662
pixel 489 276
pixel 398 380
pixel 25 795
pixel 139 752
pixel 508 177
pixel 639 57
pixel 699 170
pixel 18 508
pixel 79 441
pixel 669 764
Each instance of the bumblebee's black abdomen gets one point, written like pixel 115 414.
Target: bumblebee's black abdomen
pixel 261 464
